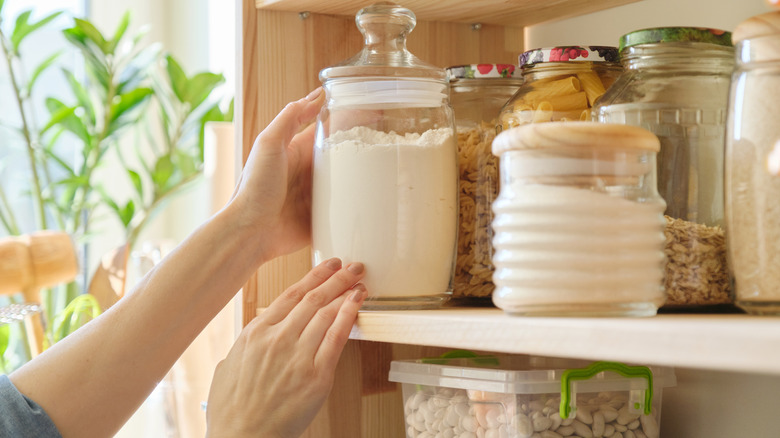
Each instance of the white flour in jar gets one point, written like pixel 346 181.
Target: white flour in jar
pixel 564 246
pixel 389 201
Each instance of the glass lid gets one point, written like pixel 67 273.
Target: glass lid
pixel 384 26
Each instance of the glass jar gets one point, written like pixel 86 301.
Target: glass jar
pixel 578 226
pixel 385 181
pixel 753 166
pixel 675 84
pixel 477 93
pixel 561 84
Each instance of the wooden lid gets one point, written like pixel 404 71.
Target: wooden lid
pixel 569 135
pixel 757 26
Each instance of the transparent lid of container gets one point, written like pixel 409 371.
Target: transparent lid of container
pixel 385 26
pixel 517 375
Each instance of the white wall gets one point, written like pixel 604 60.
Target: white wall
pixel 704 403
pixel 606 27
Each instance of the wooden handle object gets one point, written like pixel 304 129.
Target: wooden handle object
pixel 34 261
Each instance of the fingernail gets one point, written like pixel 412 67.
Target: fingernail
pixel 358 295
pixel 333 264
pixel 314 94
pixel 355 268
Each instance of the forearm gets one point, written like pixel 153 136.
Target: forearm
pixel 92 381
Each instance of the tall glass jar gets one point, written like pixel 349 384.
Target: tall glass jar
pixel 675 84
pixel 753 166
pixel 579 227
pixel 477 93
pixel 385 181
pixel 561 84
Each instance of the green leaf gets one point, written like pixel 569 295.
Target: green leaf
pixel 126 102
pixel 71 123
pixel 135 178
pixel 50 154
pixel 93 34
pixel 58 116
pixel 126 214
pixel 138 67
pixel 81 95
pixel 177 77
pixel 75 181
pixel 229 113
pixel 23 27
pixel 39 70
pixel 5 329
pixel 119 32
pixel 163 170
pixel 1 5
pixel 185 163
pixel 200 87
pixel 93 55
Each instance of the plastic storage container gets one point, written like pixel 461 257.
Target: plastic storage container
pixel 385 180
pixel 521 397
pixel 477 94
pixel 675 84
pixel 561 84
pixel 753 166
pixel 578 225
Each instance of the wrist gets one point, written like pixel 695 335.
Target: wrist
pixel 246 232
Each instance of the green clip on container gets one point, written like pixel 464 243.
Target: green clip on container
pixel 516 397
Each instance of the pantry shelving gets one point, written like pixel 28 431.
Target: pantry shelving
pixel 727 342
pixel 283 45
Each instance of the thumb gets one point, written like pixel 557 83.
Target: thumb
pixel 289 122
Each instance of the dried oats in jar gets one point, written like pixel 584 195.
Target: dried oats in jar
pixel 561 84
pixel 675 84
pixel 477 93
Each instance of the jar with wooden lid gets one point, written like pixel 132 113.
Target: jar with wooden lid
pixel 675 84
pixel 753 166
pixel 477 94
pixel 578 225
pixel 561 84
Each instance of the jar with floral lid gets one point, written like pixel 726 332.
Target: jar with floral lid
pixel 675 84
pixel 477 94
pixel 560 84
pixel 385 184
pixel 753 166
pixel 578 226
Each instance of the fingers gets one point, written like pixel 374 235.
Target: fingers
pixel 289 122
pixel 321 296
pixel 333 341
pixel 282 306
pixel 312 335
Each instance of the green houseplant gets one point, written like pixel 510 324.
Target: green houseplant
pixel 134 102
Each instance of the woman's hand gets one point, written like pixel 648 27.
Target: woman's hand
pixel 280 370
pixel 273 194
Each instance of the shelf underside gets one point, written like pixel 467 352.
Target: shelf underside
pixel 503 12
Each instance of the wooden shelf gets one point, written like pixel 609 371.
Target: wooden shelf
pixel 731 342
pixel 502 12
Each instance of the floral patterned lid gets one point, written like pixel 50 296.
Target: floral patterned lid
pixel 480 71
pixel 569 54
pixel 675 35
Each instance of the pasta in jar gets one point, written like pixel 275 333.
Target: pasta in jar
pixel 561 84
pixel 477 93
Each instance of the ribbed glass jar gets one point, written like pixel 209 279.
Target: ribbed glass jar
pixel 578 226
pixel 675 84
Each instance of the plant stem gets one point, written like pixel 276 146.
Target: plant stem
pixel 10 221
pixel 37 194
